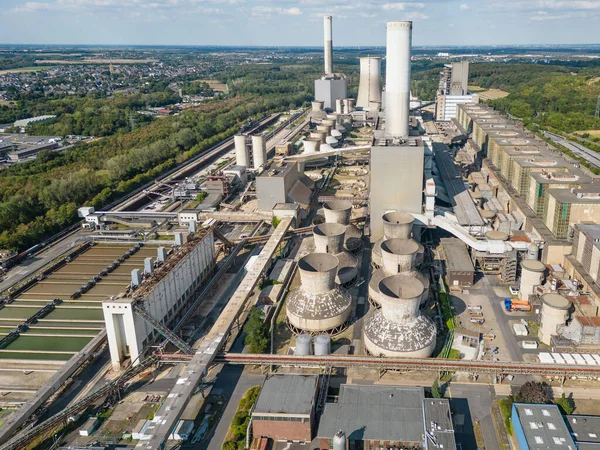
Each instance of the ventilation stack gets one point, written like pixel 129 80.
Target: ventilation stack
pixel 397 78
pixel 340 211
pixel 319 306
pixel 259 151
pixel 328 44
pixel 369 88
pixel 329 238
pixel 398 329
pixel 241 150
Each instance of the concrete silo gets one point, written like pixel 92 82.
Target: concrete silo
pixel 322 345
pixel 532 275
pixel 319 306
pixel 329 238
pixel 259 151
pixel 555 310
pixel 369 87
pixel 303 344
pixel 398 329
pixel 241 150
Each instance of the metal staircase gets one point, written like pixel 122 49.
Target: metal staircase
pixel 162 329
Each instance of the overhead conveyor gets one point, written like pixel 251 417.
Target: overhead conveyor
pixel 162 329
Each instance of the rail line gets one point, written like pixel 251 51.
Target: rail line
pixel 431 364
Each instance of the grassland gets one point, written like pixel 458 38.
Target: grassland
pixel 214 85
pixel 25 69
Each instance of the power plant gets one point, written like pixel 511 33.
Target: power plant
pixel 331 87
pixel 369 89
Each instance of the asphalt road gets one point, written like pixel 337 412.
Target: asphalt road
pixel 578 149
pixel 473 403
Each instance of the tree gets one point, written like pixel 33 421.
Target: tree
pixel 436 391
pixel 566 404
pixel 533 392
pixel 257 332
pixel 275 221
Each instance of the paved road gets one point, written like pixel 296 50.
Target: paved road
pixel 579 150
pixel 473 403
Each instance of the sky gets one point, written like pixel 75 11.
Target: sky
pixel 297 22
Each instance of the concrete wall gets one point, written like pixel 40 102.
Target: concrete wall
pixel 127 332
pixel 329 90
pixel 396 183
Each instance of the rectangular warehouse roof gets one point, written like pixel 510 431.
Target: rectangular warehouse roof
pixel 457 256
pixel 287 394
pixel 544 427
pixel 384 413
pixel 585 431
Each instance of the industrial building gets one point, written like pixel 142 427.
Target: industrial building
pixel 379 416
pixel 285 409
pixel 453 91
pixel 160 295
pixel 585 431
pixel 459 267
pixel 283 184
pixel 540 427
pixel 331 87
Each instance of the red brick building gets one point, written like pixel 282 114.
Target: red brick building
pixel 285 409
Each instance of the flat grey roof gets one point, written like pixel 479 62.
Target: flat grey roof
pixel 287 394
pixel 457 256
pixel 438 424
pixel 584 429
pixel 566 196
pixel 385 413
pixel 544 427
pixel 591 230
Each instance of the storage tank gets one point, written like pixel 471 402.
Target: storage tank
pixel 318 305
pixel 533 251
pixel 259 151
pixel 555 310
pixel 303 344
pixel 532 275
pixel 241 150
pixel 322 345
pixel 397 225
pixel 338 211
pixel 339 441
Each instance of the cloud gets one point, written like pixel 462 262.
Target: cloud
pixel 554 4
pixel 402 6
pixel 268 11
pixel 31 7
pixel 465 7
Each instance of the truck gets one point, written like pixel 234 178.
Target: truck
pixel 521 308
pixel 474 307
pixel 475 314
pixel 529 345
pixel 477 320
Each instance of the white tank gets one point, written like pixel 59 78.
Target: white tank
pixel 303 344
pixel 555 310
pixel 241 150
pixel 532 275
pixel 259 151
pixel 339 441
pixel 369 88
pixel 322 345
pixel 533 251
pixel 397 76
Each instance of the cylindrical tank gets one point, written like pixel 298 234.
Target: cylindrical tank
pixel 336 134
pixel 318 135
pixel 328 44
pixel 317 272
pixel 397 225
pixel 330 140
pixel 322 345
pixel 532 275
pixel 533 251
pixel 303 344
pixel 338 211
pixel 397 77
pixel 339 441
pixel 400 297
pixel 398 255
pixel 496 236
pixel 241 150
pixel 555 309
pixel 311 145
pixel 348 105
pixel 339 106
pixel 369 87
pixel 329 238
pixel 259 151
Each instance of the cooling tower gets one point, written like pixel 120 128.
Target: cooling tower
pixel 329 238
pixel 311 145
pixel 328 43
pixel 397 78
pixel 369 88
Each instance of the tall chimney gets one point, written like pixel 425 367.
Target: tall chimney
pixel 328 45
pixel 397 76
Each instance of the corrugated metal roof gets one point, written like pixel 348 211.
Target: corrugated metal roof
pixel 388 413
pixel 287 394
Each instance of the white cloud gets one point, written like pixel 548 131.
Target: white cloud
pixel 268 11
pixel 554 4
pixel 465 7
pixel 32 7
pixel 402 6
